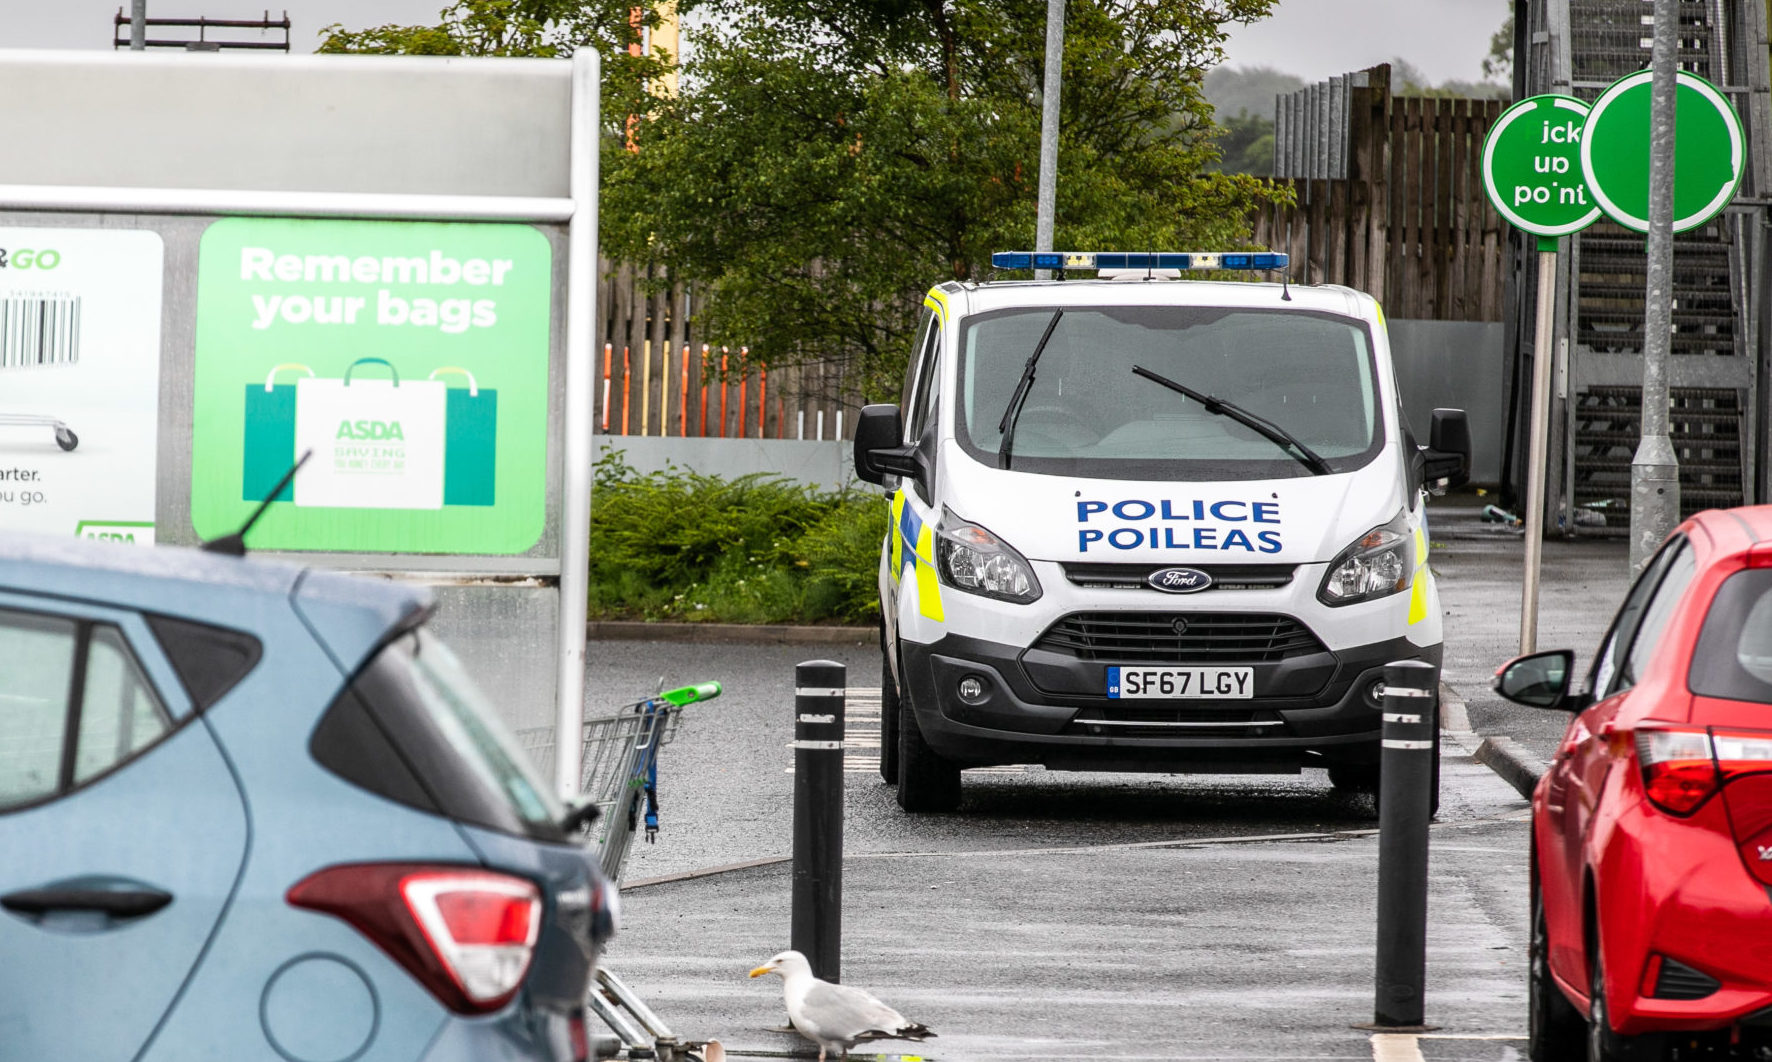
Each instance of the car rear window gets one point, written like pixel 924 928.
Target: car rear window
pixel 1733 659
pixel 413 727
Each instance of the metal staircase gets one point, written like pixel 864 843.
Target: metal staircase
pixel 1712 370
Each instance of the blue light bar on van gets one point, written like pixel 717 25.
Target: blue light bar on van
pixel 1259 260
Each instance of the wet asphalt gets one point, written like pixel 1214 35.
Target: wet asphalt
pixel 1062 915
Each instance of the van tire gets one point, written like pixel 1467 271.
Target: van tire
pixel 889 715
pixel 1364 778
pixel 926 780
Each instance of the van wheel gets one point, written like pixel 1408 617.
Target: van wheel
pixel 1605 1045
pixel 1554 1028
pixel 926 780
pixel 889 712
pixel 1354 777
pixel 1364 778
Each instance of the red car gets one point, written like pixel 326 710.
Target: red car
pixel 1652 829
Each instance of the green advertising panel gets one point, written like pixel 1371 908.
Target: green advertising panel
pixel 409 358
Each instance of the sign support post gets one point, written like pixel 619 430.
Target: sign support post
pixel 575 496
pixel 1538 444
pixel 1532 174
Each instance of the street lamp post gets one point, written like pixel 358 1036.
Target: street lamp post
pixel 1049 131
pixel 1655 470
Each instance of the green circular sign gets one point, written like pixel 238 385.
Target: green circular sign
pixel 1532 166
pixel 1709 151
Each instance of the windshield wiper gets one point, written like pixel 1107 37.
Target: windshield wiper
pixel 1287 441
pixel 1006 426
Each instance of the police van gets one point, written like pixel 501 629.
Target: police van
pixel 1141 523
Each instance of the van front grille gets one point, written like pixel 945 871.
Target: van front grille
pixel 1224 576
pixel 1179 637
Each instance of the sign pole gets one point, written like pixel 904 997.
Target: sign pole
pixel 1655 470
pixel 1533 176
pixel 1537 457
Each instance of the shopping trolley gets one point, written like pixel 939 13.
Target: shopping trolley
pixel 620 776
pixel 39 330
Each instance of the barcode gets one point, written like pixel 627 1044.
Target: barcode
pixel 39 329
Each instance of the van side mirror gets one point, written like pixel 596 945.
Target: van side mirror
pixel 1540 680
pixel 879 446
pixel 1447 457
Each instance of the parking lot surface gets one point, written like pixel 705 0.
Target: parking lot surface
pixel 1063 915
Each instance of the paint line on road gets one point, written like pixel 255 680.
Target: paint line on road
pixel 1396 1047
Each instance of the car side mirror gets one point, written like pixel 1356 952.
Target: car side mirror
pixel 1540 680
pixel 879 446
pixel 1448 453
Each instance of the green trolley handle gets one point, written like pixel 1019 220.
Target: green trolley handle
pixel 705 691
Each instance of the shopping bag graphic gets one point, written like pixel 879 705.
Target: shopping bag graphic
pixel 270 436
pixel 470 452
pixel 378 444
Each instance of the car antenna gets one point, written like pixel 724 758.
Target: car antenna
pixel 234 545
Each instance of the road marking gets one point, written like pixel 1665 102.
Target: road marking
pixel 1396 1047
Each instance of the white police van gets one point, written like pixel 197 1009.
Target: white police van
pixel 1146 524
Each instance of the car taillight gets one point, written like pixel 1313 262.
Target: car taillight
pixel 1679 770
pixel 466 935
pixel 1740 753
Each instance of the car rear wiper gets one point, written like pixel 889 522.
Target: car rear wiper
pixel 1287 441
pixel 1006 426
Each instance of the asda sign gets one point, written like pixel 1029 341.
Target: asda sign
pixel 26 258
pixel 408 359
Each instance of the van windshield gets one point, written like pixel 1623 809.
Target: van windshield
pixel 1088 415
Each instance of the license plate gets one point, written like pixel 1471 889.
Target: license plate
pixel 1182 683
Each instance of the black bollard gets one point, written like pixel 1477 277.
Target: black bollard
pixel 818 815
pixel 1405 775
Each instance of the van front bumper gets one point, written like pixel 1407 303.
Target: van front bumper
pixel 1042 707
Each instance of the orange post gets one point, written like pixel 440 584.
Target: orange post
pixel 683 393
pixel 704 390
pixel 608 353
pixel 762 398
pixel 627 380
pixel 744 383
pixel 723 354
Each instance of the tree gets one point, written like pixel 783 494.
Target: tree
pixel 826 161
pixel 538 28
pixel 1499 63
pixel 1247 144
pixel 829 160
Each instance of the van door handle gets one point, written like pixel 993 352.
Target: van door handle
pixel 118 903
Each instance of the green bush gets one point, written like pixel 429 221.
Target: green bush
pixel 678 545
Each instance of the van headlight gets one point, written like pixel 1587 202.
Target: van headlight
pixel 978 562
pixel 1378 564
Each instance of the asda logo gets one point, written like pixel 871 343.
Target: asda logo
pixel 378 430
pixel 26 258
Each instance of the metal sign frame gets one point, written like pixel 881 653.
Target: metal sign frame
pixel 329 193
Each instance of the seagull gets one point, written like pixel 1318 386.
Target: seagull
pixel 835 1015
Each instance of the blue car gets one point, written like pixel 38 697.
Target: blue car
pixel 255 811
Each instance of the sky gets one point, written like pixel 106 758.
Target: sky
pixel 1316 39
pixel 87 23
pixel 1313 39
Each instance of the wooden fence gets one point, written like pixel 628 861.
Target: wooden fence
pixel 657 375
pixel 1409 222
